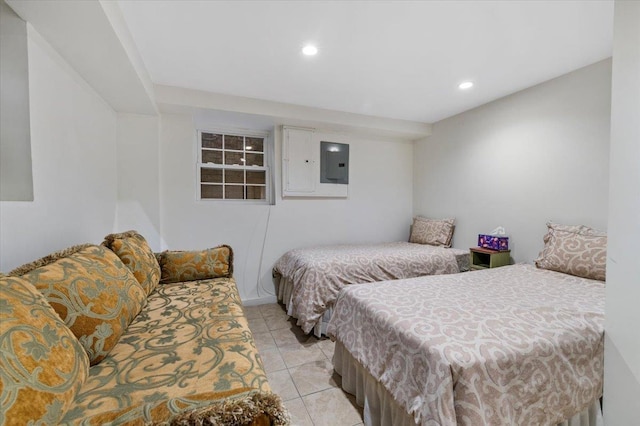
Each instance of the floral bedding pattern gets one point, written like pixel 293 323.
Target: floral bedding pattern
pixel 510 345
pixel 319 273
pixel 190 345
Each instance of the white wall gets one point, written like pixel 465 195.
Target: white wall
pixel 378 208
pixel 16 180
pixel 73 133
pixel 535 156
pixel 138 176
pixel 622 327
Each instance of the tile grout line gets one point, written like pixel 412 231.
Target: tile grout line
pixel 314 343
pixel 292 381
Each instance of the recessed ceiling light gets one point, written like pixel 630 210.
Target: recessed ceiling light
pixel 310 50
pixel 465 85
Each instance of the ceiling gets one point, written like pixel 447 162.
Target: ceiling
pixel 392 59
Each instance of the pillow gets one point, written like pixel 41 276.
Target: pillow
pixel 575 250
pixel 43 365
pixel 179 266
pixel 94 293
pixel 433 232
pixel 134 252
pixel 578 229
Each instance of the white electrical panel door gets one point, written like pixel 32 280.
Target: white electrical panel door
pixel 299 161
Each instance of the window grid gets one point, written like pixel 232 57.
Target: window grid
pixel 218 149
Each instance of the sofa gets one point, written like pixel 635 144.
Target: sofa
pixel 117 334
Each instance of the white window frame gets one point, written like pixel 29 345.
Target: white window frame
pixel 267 146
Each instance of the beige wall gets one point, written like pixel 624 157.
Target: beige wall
pixel 538 155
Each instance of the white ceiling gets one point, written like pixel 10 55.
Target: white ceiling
pixel 392 59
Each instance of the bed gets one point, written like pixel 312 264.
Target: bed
pixel 309 280
pixel 519 344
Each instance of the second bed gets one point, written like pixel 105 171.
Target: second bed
pixel 310 279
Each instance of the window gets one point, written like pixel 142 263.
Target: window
pixel 233 166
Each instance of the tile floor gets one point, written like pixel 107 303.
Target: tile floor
pixel 299 369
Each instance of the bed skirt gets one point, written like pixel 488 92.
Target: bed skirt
pixel 381 409
pixel 284 288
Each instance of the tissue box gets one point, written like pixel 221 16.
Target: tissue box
pixel 493 242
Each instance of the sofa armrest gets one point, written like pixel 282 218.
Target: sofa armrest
pixel 178 266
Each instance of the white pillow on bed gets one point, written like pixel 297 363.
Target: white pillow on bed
pixel 576 250
pixel 431 231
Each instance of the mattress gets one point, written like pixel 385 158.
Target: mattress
pixel 510 345
pixel 310 279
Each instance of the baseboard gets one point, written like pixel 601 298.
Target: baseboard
pixel 259 301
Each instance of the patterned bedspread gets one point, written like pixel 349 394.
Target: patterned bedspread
pixel 319 273
pixel 510 345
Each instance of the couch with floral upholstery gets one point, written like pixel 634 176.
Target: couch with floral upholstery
pixel 116 334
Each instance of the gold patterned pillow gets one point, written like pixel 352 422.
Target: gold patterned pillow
pixel 43 365
pixel 94 293
pixel 180 266
pixel 575 250
pixel 134 252
pixel 433 232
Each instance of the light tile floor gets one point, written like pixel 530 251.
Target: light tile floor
pixel 299 369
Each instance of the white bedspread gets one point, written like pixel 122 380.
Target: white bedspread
pixel 510 345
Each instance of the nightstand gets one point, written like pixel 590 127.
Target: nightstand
pixel 482 258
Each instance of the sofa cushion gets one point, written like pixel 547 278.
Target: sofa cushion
pixel 179 266
pixel 94 293
pixel 134 252
pixel 191 338
pixel 42 363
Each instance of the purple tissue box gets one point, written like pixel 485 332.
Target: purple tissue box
pixel 493 242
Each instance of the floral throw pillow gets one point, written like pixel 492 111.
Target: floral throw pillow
pixel 134 252
pixel 94 293
pixel 43 365
pixel 177 266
